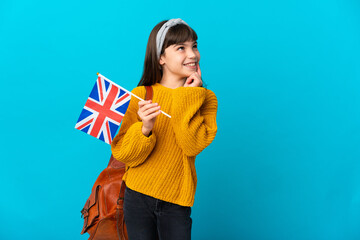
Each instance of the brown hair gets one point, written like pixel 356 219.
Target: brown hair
pixel 179 33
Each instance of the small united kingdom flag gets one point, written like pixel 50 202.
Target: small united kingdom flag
pixel 104 110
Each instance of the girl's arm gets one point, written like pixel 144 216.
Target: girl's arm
pixel 130 145
pixel 194 118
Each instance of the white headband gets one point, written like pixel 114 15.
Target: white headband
pixel 160 37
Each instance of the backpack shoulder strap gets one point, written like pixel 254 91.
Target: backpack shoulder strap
pixel 149 93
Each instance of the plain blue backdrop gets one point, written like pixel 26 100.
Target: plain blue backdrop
pixel 285 162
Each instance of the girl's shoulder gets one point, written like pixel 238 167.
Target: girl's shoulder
pixel 209 92
pixel 210 99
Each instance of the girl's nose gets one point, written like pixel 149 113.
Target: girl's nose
pixel 191 54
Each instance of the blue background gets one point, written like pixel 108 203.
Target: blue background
pixel 285 162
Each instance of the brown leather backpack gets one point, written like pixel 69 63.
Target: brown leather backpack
pixel 103 211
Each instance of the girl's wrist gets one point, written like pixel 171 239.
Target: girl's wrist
pixel 146 132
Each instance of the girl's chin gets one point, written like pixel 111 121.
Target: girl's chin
pixel 191 71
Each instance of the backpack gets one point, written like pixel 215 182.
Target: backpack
pixel 103 211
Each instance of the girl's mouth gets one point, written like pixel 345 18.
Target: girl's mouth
pixel 191 65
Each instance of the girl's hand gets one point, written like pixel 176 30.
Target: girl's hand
pixel 148 112
pixel 194 80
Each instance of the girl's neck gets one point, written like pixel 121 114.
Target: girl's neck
pixel 172 81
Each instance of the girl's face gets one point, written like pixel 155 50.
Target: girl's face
pixel 180 60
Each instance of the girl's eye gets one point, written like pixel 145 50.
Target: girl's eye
pixel 195 46
pixel 181 48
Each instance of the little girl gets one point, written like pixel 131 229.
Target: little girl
pixel 160 152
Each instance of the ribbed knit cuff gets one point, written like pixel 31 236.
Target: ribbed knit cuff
pixel 141 141
pixel 135 147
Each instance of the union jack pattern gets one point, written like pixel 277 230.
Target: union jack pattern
pixel 104 110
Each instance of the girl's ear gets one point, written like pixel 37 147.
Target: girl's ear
pixel 161 61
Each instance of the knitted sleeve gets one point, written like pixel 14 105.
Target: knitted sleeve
pixel 130 145
pixel 194 118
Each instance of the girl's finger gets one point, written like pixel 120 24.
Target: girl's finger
pixel 197 82
pixel 193 80
pixel 198 69
pixel 142 103
pixel 152 115
pixel 151 110
pixel 190 79
pixel 147 106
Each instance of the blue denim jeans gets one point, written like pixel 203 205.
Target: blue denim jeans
pixel 147 217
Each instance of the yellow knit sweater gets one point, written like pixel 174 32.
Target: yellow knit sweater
pixel 163 164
